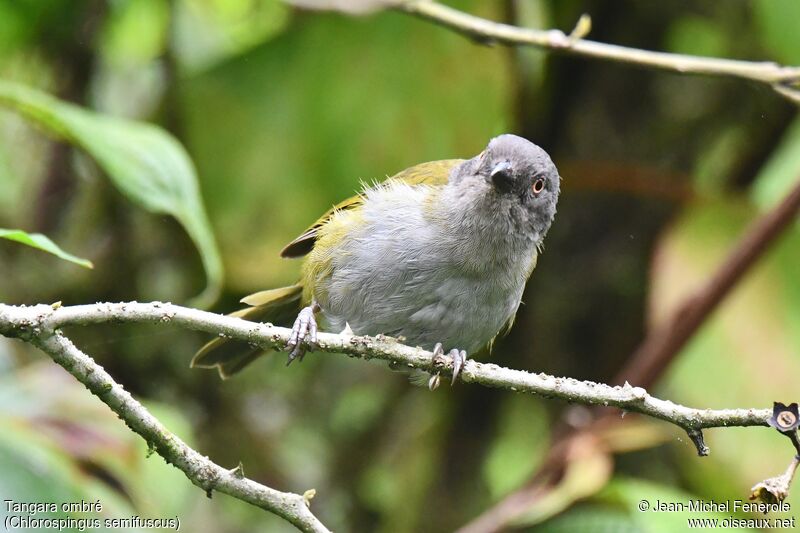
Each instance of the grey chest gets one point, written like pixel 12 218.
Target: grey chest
pixel 401 274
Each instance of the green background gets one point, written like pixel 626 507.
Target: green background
pixel 285 112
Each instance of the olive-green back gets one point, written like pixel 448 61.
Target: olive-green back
pixel 280 306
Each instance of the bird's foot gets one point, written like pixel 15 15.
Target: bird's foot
pixel 305 326
pixel 457 359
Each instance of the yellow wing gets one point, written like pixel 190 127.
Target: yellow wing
pixel 431 173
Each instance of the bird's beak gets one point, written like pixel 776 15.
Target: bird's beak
pixel 502 176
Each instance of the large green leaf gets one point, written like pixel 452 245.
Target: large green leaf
pixel 146 163
pixel 42 242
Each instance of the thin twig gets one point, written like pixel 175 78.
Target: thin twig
pixel 199 469
pixel 784 80
pixel 30 323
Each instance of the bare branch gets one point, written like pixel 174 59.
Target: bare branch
pixel 783 80
pixel 40 322
pixel 31 324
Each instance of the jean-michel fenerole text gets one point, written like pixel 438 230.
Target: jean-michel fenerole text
pixel 731 506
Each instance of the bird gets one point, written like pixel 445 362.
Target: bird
pixel 437 255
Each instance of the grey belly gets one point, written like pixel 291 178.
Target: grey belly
pixel 423 303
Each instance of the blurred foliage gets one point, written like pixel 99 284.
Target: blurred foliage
pixel 309 140
pixel 146 164
pixel 284 112
pixel 41 242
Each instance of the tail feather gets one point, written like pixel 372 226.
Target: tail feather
pixel 233 366
pixel 276 306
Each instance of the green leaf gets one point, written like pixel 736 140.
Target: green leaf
pixel 146 163
pixel 42 242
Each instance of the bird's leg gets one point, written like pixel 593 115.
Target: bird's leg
pixel 304 325
pixel 459 357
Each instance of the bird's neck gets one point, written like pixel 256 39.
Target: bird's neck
pixel 486 231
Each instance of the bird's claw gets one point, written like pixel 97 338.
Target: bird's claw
pixel 458 358
pixel 304 333
pixel 438 361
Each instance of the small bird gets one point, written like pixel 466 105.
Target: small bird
pixel 437 255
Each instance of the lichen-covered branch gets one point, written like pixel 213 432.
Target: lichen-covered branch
pixel 784 80
pixel 40 325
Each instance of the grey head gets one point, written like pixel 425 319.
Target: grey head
pixel 517 180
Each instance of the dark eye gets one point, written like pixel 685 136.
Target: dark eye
pixel 538 186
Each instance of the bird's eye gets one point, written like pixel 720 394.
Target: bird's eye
pixel 538 186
